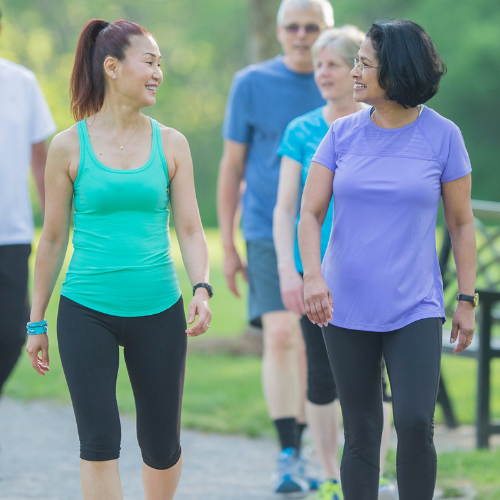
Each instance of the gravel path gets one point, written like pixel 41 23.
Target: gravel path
pixel 39 458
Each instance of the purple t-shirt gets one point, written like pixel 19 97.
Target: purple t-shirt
pixel 381 263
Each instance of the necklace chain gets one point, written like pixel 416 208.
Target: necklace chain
pixel 129 139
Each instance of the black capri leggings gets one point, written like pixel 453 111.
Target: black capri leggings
pixel 413 357
pixel 155 355
pixel 321 388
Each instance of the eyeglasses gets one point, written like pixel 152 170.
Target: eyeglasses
pixel 310 29
pixel 361 66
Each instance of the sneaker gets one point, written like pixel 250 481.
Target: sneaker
pixel 287 478
pixel 386 490
pixel 328 490
pixel 305 471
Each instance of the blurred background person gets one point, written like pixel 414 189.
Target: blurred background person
pixel 25 124
pixel 264 98
pixel 379 293
pixel 333 53
pixel 120 169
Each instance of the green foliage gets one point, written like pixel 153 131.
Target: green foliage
pixel 203 43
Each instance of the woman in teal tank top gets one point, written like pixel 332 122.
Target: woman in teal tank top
pixel 121 170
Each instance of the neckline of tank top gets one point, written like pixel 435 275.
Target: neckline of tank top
pixel 423 107
pixel 118 170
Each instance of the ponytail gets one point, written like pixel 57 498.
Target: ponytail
pixel 97 41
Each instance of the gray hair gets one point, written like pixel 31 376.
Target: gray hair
pixel 325 5
pixel 346 40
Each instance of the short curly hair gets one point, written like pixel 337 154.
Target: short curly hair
pixel 410 67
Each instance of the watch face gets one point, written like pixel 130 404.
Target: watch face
pixel 476 299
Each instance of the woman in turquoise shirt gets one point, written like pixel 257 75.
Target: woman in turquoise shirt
pixel 332 52
pixel 121 169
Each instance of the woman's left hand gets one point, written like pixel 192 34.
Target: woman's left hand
pixel 463 326
pixel 199 307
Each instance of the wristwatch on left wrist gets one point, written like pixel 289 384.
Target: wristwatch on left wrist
pixel 473 299
pixel 207 286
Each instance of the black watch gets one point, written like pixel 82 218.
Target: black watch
pixel 474 299
pixel 208 286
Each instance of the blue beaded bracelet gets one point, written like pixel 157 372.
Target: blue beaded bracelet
pixel 37 327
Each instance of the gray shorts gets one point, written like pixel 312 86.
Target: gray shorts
pixel 263 280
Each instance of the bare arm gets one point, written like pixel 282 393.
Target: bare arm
pixel 231 170
pixel 188 228
pixel 460 222
pixel 54 238
pixel 38 161
pixel 315 201
pixel 285 213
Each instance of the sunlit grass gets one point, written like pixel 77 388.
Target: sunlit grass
pixel 223 393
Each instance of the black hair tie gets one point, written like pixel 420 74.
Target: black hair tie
pixel 105 25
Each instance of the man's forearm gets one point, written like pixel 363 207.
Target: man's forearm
pixel 38 161
pixel 228 199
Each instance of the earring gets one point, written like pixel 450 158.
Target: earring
pixel 114 77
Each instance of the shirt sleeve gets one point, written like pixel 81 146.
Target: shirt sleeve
pixel 325 154
pixel 237 124
pixel 458 163
pixel 291 143
pixel 42 123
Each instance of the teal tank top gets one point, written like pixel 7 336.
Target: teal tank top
pixel 122 261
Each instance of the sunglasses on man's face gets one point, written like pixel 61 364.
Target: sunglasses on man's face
pixel 308 28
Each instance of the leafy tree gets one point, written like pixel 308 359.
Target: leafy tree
pixel 204 42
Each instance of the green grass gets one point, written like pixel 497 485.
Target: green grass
pixel 223 393
pixel 458 470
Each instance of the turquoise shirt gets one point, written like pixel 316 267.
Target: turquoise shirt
pixel 302 137
pixel 122 262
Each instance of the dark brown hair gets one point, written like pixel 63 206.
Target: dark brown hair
pixel 410 66
pixel 97 41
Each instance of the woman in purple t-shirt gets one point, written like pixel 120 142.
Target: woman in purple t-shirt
pixel 379 290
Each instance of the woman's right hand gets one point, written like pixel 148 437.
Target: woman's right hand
pixel 35 344
pixel 292 290
pixel 318 301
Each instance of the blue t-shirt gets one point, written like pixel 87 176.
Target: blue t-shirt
pixel 381 264
pixel 300 141
pixel 264 98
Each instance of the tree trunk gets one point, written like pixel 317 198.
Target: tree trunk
pixel 262 43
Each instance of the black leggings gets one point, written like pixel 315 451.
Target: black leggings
pixel 321 388
pixel 14 305
pixel 155 355
pixel 413 356
pixel 320 384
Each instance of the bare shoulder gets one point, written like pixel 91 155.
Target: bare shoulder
pixel 172 138
pixel 64 153
pixel 66 142
pixel 176 149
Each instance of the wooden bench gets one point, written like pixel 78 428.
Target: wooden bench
pixel 484 347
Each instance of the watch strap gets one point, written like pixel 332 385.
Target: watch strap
pixel 207 286
pixel 468 298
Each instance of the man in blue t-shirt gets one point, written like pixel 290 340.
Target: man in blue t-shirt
pixel 264 98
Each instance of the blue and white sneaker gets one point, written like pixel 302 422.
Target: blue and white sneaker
pixel 305 472
pixel 287 478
